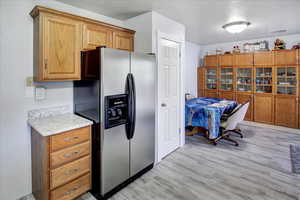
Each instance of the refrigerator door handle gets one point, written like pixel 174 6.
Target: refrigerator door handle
pixel 130 91
pixel 133 104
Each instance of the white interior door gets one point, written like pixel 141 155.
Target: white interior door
pixel 168 97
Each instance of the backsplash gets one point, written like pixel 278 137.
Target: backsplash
pixel 48 112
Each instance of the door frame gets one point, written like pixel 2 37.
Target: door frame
pixel 181 42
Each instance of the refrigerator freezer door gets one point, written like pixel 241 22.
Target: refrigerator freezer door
pixel 142 144
pixel 115 145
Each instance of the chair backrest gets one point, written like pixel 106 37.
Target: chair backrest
pixel 237 116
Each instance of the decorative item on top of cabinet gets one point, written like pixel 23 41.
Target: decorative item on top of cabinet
pixel 123 41
pixel 265 58
pixel 95 35
pixel 226 60
pixel 243 59
pixel 211 60
pixel 286 57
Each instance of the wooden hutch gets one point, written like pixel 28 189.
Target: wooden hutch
pixel 269 80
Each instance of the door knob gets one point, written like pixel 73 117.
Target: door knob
pixel 163 105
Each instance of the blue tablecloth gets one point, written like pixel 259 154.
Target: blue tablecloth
pixel 206 112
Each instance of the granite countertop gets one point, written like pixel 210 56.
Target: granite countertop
pixel 54 124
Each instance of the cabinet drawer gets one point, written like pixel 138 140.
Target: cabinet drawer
pixel 69 138
pixel 69 154
pixel 73 189
pixel 69 171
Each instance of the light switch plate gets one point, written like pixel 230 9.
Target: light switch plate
pixel 29 81
pixel 40 93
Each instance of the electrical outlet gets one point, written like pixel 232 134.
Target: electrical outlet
pixel 40 93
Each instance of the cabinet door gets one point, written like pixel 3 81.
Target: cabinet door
pixel 286 111
pixel 242 98
pixel 244 59
pixel 61 47
pixel 211 94
pixel 96 35
pixel 201 93
pixel 227 95
pixel 263 58
pixel 263 108
pixel 226 60
pixel 285 57
pixel 201 77
pixel 123 41
pixel 211 60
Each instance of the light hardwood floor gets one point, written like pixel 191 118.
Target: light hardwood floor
pixel 259 169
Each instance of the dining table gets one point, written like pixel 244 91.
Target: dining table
pixel 206 113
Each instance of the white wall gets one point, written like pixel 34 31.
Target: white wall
pixel 167 26
pixel 289 39
pixel 193 56
pixel 142 24
pixel 16 63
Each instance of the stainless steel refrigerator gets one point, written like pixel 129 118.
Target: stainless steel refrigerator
pixel 117 92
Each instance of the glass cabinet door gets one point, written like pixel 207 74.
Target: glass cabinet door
pixel 211 78
pixel 226 79
pixel 286 80
pixel 244 80
pixel 263 80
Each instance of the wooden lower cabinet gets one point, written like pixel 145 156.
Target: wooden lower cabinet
pixel 227 95
pixel 61 164
pixel 211 94
pixel 263 108
pixel 244 97
pixel 201 93
pixel 286 111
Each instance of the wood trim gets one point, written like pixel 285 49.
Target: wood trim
pixel 37 9
pixel 40 165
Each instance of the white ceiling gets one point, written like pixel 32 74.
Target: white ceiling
pixel 204 18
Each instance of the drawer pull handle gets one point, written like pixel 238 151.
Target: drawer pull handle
pixel 72 171
pixel 72 190
pixel 71 154
pixel 69 139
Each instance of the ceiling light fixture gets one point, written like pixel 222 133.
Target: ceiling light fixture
pixel 236 27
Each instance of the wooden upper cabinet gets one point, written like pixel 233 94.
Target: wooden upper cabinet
pixel 96 35
pixel 286 57
pixel 226 60
pixel 59 48
pixel 123 41
pixel 243 59
pixel 263 58
pixel 211 60
pixel 59 37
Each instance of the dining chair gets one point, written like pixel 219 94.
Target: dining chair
pixel 229 122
